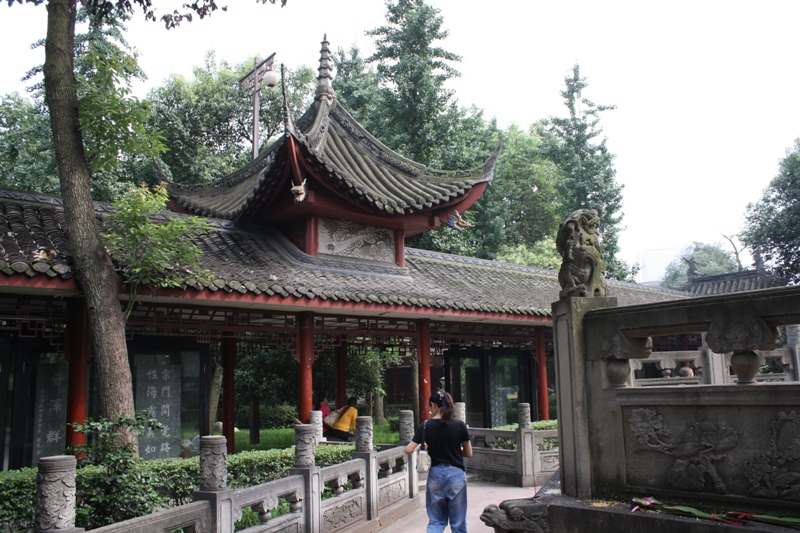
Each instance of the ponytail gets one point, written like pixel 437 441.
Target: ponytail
pixel 445 403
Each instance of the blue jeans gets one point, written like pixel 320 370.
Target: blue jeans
pixel 446 499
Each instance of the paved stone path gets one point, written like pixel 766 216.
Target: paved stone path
pixel 479 493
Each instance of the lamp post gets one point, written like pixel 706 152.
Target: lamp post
pixel 262 73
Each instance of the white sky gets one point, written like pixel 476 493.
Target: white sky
pixel 706 92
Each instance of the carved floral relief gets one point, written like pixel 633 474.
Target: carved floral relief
pixel 768 474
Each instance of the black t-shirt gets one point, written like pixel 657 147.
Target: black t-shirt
pixel 444 441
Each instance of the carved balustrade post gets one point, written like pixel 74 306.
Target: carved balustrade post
pixel 461 411
pixel 55 495
pixel 364 451
pixel 734 328
pixel 213 463
pixel 525 446
pixel 406 427
pixel 524 415
pixel 214 483
pixel 305 440
pixel 316 421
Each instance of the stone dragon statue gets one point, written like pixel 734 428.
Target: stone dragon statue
pixel 578 243
pixel 518 516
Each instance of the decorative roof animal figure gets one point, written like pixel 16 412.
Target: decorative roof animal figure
pixel 299 192
pixel 578 243
pixel 458 223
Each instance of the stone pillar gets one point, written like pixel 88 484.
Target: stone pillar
pixel 424 358
pixel 793 343
pixel 524 415
pixel 364 451
pixel 213 463
pixel 715 371
pixel 55 495
pixel 461 411
pixel 316 421
pixel 572 392
pixel 406 427
pixel 541 375
pixel 304 465
pixel 228 402
pixel 305 359
pixel 78 351
pixel 304 445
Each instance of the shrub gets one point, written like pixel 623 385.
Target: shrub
pixel 272 416
pixel 16 506
pixel 545 424
pixel 394 423
pixel 177 478
pixel 393 409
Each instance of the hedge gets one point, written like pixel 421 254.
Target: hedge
pixel 171 483
pixel 270 416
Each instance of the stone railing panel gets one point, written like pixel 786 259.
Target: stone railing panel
pixel 195 517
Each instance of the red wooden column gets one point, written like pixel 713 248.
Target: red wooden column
pixel 228 407
pixel 424 360
pixel 78 352
pixel 541 375
pixel 312 235
pixel 341 374
pixel 305 359
pixel 400 247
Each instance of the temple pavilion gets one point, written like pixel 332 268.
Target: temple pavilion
pixel 307 248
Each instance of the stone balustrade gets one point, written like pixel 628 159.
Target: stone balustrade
pixel 370 491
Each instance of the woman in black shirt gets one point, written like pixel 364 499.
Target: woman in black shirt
pixel 447 442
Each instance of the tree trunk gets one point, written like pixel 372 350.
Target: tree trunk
pixel 213 400
pixel 380 418
pixel 95 272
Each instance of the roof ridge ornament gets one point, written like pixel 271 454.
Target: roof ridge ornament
pixel 325 81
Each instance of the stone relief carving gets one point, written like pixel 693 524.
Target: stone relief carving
pixel 305 439
pixel 389 494
pixel 349 239
pixel 740 333
pixel 518 516
pixel 342 515
pixel 578 243
pixel 213 463
pixel 620 346
pixel 767 474
pixel 695 452
pixel 55 494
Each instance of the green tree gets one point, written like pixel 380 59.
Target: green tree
pixel 697 260
pixel 542 254
pixel 95 271
pixel 153 253
pixel 412 72
pixel 575 145
pixel 207 121
pixel 772 225
pixel 269 376
pixel 356 86
pixel 104 65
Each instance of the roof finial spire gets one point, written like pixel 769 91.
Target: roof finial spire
pixel 325 82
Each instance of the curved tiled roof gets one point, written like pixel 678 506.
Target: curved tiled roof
pixel 258 260
pixel 349 158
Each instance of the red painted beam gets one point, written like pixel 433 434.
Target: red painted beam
pixel 40 281
pixel 541 375
pixel 228 402
pixel 305 359
pixel 78 351
pixel 424 359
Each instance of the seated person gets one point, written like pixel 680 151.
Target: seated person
pixel 345 426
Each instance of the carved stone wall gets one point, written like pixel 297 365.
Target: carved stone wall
pixel 359 241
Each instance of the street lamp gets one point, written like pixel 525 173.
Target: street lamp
pixel 262 73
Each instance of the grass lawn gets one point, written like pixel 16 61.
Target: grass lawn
pixel 284 438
